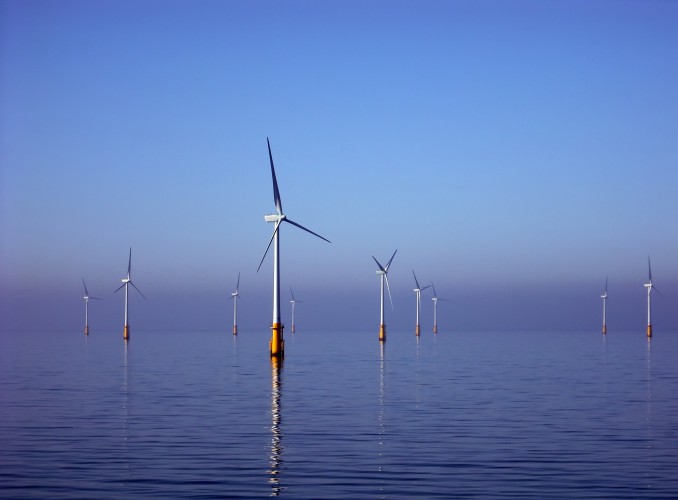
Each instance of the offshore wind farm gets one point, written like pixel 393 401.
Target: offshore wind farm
pixel 519 155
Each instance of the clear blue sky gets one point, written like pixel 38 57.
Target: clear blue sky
pixel 515 152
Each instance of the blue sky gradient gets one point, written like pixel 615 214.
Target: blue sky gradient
pixel 515 152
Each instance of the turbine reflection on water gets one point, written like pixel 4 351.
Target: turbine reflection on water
pixel 276 431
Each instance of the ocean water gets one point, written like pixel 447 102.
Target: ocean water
pixel 452 415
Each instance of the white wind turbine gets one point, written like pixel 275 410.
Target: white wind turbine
pixel 234 296
pixel 383 274
pixel 277 344
pixel 125 283
pixel 294 303
pixel 417 292
pixel 604 297
pixel 87 299
pixel 435 300
pixel 649 287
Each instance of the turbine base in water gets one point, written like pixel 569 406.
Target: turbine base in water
pixel 125 333
pixel 649 331
pixel 417 331
pixel 382 333
pixel 86 329
pixel 235 330
pixel 277 344
pixel 604 329
pixel 292 328
pixel 435 328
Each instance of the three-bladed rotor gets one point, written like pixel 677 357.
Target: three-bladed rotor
pixel 128 279
pixel 383 271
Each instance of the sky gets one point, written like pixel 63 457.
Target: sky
pixel 516 153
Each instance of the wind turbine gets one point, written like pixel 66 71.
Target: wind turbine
pixel 417 292
pixel 87 299
pixel 277 344
pixel 293 302
pixel 649 287
pixel 125 283
pixel 435 300
pixel 604 297
pixel 234 296
pixel 383 274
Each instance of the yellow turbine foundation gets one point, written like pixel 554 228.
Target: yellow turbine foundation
pixel 86 329
pixel 649 331
pixel 292 328
pixel 277 344
pixel 417 331
pixel 382 333
pixel 435 328
pixel 125 333
pixel 604 329
pixel 235 329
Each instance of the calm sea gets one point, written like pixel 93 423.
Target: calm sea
pixel 452 415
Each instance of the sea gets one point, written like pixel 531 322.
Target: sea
pixel 457 414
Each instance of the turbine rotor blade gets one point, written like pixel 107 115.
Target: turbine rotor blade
pixel 237 285
pixel 129 263
pixel 119 287
pixel 435 296
pixel 655 289
pixel 389 290
pixel 83 284
pixel 292 294
pixel 428 286
pixel 606 284
pixel 275 230
pixel 95 298
pixel 135 287
pixel 305 229
pixel 381 268
pixel 390 260
pixel 415 280
pixel 276 191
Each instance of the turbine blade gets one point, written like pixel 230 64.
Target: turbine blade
pixel 119 287
pixel 129 263
pixel 389 291
pixel 276 192
pixel 655 289
pixel 292 294
pixel 435 295
pixel 95 298
pixel 381 268
pixel 606 284
pixel 83 284
pixel 390 260
pixel 305 229
pixel 649 268
pixel 237 285
pixel 135 287
pixel 427 286
pixel 275 230
pixel 415 280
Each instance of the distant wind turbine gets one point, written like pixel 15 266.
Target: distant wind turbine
pixel 87 299
pixel 435 300
pixel 383 274
pixel 125 283
pixel 649 287
pixel 277 344
pixel 604 297
pixel 234 296
pixel 294 303
pixel 417 293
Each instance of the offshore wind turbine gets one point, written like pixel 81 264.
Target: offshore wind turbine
pixel 277 344
pixel 649 285
pixel 604 297
pixel 294 303
pixel 417 293
pixel 435 300
pixel 125 283
pixel 87 299
pixel 234 296
pixel 382 272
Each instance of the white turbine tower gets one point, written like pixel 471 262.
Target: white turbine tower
pixel 604 297
pixel 435 300
pixel 649 287
pixel 294 303
pixel 125 283
pixel 417 293
pixel 277 344
pixel 234 296
pixel 383 274
pixel 87 299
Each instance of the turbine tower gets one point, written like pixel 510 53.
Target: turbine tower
pixel 234 296
pixel 87 299
pixel 277 344
pixel 125 283
pixel 382 272
pixel 293 302
pixel 649 287
pixel 417 293
pixel 604 297
pixel 435 300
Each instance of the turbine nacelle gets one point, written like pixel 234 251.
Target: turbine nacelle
pixel 274 218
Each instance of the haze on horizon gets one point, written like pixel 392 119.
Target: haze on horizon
pixel 515 153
